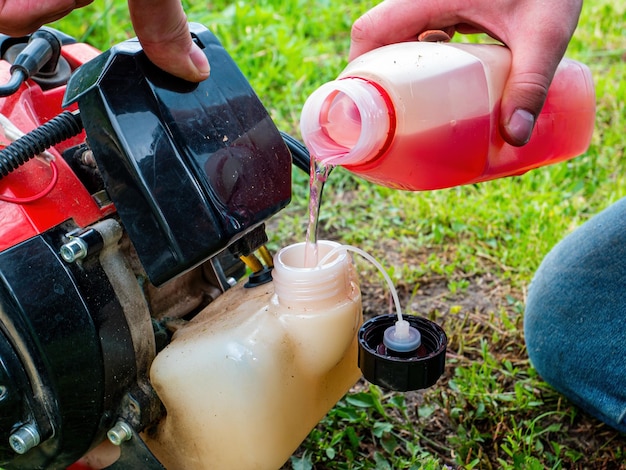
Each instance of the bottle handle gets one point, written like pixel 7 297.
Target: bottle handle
pixel 433 35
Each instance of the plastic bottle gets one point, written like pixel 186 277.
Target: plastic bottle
pixel 423 115
pixel 249 377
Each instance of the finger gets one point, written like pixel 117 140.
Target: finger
pixel 18 18
pixel 523 98
pixel 534 62
pixel 388 22
pixel 162 29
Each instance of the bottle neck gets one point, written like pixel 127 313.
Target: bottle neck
pixel 296 285
pixel 347 122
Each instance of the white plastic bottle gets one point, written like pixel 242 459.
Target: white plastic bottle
pixel 247 379
pixel 424 115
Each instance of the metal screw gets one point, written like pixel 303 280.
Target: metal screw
pixel 120 433
pixel 87 158
pixel 25 438
pixel 74 250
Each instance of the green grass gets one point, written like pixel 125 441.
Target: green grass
pixel 462 256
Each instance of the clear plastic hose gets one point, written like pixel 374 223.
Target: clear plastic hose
pixel 371 259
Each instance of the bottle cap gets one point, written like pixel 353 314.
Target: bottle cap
pixel 402 371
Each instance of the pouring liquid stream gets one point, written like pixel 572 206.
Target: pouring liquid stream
pixel 318 176
pixel 319 172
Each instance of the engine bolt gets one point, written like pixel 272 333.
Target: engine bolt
pixel 120 433
pixel 25 438
pixel 74 250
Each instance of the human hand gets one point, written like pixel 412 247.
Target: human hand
pixel 537 33
pixel 160 25
pixel 21 17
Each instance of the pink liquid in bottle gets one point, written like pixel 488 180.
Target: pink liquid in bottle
pixel 424 116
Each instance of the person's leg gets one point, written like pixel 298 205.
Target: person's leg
pixel 575 320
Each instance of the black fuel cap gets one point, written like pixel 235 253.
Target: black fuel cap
pixel 414 363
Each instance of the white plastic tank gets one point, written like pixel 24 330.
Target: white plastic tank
pixel 248 378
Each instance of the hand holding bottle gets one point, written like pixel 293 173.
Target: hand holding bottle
pixel 536 32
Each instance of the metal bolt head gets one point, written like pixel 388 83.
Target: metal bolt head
pixel 120 433
pixel 74 250
pixel 25 438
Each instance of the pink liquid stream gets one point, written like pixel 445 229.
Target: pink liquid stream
pixel 318 176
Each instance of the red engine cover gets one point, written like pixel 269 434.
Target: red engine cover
pixel 39 194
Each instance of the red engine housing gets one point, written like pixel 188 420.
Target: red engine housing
pixel 38 196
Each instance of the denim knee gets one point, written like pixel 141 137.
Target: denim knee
pixel 575 319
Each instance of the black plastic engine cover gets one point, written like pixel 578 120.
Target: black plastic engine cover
pixel 189 167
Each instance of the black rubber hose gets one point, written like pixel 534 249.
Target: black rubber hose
pixel 299 153
pixel 56 130
pixel 15 82
pixel 41 54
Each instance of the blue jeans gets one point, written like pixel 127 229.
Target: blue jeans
pixel 575 321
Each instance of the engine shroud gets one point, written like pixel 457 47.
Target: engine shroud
pixel 189 167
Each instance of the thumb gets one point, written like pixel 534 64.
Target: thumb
pixel 162 30
pixel 532 70
pixel 522 101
